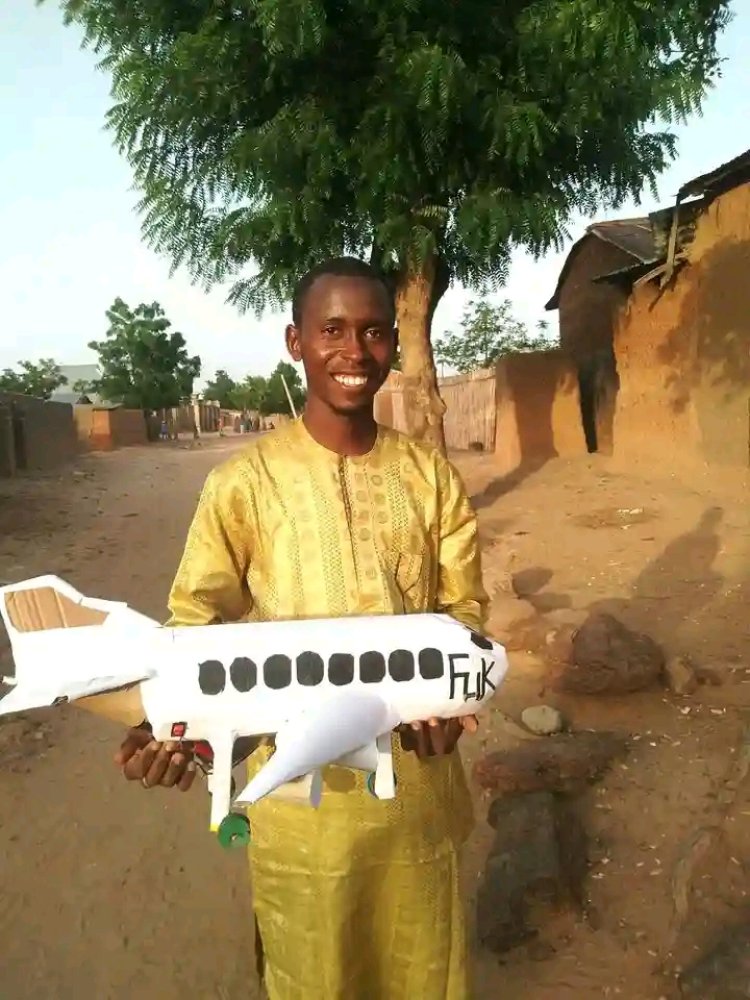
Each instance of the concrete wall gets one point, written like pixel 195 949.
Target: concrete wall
pixel 44 435
pixel 538 409
pixel 683 353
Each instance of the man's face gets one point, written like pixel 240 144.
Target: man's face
pixel 346 341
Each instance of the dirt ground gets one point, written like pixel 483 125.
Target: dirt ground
pixel 111 892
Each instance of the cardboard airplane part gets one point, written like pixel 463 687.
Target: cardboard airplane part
pixel 45 608
pixel 331 692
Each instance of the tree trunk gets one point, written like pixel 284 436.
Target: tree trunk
pixel 418 291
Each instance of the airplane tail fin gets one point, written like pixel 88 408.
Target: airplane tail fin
pixel 51 663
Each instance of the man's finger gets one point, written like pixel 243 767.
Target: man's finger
pixel 175 769
pixel 470 723
pixel 133 742
pixel 158 768
pixel 138 765
pixel 188 777
pixel 436 734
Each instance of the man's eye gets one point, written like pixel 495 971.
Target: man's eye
pixel 374 333
pixel 330 331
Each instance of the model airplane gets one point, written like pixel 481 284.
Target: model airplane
pixel 329 691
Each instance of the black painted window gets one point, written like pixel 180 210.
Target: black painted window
pixel 401 665
pixel 431 665
pixel 341 669
pixel 371 667
pixel 243 674
pixel 212 677
pixel 310 669
pixel 277 671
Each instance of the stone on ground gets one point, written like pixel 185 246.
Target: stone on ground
pixel 563 763
pixel 543 720
pixel 608 658
pixel 680 675
pixel 535 868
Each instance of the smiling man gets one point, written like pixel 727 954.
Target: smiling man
pixel 328 516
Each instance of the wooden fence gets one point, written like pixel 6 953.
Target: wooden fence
pixel 470 413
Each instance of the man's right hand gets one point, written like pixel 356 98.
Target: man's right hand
pixel 143 759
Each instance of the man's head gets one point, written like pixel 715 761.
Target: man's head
pixel 343 332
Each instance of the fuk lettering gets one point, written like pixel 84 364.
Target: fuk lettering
pixel 471 685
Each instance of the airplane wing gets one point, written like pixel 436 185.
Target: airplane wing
pixel 344 723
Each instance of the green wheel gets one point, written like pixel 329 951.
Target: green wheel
pixel 371 783
pixel 234 830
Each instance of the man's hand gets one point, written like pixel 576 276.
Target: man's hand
pixel 436 737
pixel 167 764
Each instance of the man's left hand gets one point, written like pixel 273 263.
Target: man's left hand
pixel 436 737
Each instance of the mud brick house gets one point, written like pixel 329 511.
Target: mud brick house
pixel 588 309
pixel 659 327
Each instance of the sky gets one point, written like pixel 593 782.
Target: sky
pixel 71 238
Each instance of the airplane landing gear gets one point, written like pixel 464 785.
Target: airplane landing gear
pixel 371 783
pixel 234 830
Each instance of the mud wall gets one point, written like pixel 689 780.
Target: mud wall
pixel 683 353
pixel 586 308
pixel 44 435
pixel 538 409
pixel 103 430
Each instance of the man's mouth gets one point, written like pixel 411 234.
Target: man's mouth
pixel 351 381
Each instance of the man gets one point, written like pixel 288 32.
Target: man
pixel 333 515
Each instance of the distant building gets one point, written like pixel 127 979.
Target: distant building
pixel 78 373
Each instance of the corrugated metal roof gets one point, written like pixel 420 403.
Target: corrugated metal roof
pixel 728 175
pixel 633 236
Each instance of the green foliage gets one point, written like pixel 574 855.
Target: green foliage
pixel 274 398
pixel 143 365
pixel 222 388
pixel 38 380
pixel 279 131
pixel 487 333
pixel 264 395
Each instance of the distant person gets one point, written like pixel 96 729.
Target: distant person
pixel 164 431
pixel 332 515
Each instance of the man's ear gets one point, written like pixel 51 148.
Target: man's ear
pixel 292 342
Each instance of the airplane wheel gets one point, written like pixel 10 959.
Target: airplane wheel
pixel 234 830
pixel 371 783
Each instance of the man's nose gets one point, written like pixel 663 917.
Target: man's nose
pixel 354 349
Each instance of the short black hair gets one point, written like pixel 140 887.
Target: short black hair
pixel 339 267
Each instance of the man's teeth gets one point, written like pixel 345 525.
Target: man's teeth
pixel 351 380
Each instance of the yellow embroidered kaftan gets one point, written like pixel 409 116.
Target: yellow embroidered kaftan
pixel 359 899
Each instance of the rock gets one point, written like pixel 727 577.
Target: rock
pixel 609 658
pixel 723 973
pixel 536 866
pixel 543 720
pixel 564 764
pixel 680 675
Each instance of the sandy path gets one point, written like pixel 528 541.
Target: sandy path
pixel 111 892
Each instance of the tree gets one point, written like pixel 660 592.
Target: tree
pixel 248 394
pixel 222 388
pixel 38 380
pixel 433 137
pixel 487 332
pixel 274 398
pixel 143 366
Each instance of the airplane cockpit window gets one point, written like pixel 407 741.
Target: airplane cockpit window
pixel 277 672
pixel 481 640
pixel 212 677
pixel 431 665
pixel 371 667
pixel 310 669
pixel 243 674
pixel 341 668
pixel 401 665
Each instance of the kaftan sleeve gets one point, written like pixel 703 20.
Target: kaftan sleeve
pixel 211 582
pixel 460 591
